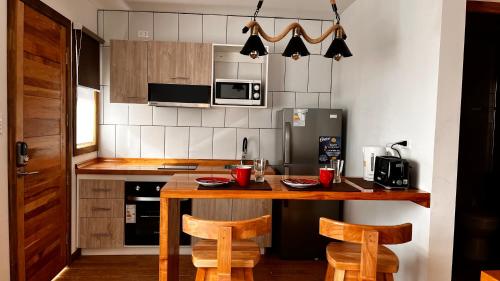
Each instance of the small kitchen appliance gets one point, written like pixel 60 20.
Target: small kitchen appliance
pixel 392 172
pixel 369 154
pixel 237 92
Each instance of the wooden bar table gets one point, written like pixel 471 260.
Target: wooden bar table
pixel 490 275
pixel 183 186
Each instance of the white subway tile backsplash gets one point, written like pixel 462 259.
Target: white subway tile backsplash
pixel 328 41
pixel 214 29
pixel 324 100
pixel 296 74
pixel 177 142
pixel 152 142
pixel 107 139
pixel 276 72
pixel 313 29
pixel 225 70
pixel 306 100
pixel 224 144
pixel 190 28
pixel 279 26
pixel 320 74
pixel 200 143
pixel 271 145
pixel 165 116
pixel 115 26
pixel 268 25
pixel 189 117
pixel 281 100
pixel 213 117
pixel 260 118
pixel 250 71
pixel 237 117
pixel 234 26
pixel 140 114
pixel 105 64
pixel 140 26
pixel 166 27
pixel 128 141
pixel 131 130
pixel 114 113
pixel 253 147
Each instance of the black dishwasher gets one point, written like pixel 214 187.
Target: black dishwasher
pixel 142 214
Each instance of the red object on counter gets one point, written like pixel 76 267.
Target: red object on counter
pixel 326 176
pixel 243 174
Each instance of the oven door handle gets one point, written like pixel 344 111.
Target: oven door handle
pixel 143 199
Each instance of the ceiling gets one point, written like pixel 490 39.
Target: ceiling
pixel 313 9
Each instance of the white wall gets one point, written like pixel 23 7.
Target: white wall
pixel 141 131
pixel 4 204
pixel 389 89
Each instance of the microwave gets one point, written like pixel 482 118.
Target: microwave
pixel 237 92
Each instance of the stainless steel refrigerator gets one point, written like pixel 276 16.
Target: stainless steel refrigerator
pixel 311 137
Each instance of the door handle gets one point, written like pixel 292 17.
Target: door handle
pixel 23 174
pixel 286 156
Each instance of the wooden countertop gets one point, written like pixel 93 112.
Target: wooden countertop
pixel 132 166
pixel 184 186
pixel 490 275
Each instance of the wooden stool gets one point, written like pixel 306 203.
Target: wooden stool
pixel 227 248
pixel 362 257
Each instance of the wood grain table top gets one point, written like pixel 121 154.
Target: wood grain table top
pixel 184 186
pixel 132 166
pixel 490 275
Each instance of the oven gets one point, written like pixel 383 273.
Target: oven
pixel 142 214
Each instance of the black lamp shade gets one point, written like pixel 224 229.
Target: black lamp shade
pixel 295 47
pixel 338 49
pixel 254 47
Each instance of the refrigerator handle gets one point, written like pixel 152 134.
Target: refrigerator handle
pixel 288 128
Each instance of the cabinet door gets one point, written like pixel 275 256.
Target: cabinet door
pixel 101 233
pixel 211 209
pixel 90 188
pixel 129 71
pixel 243 209
pixel 201 71
pixel 162 58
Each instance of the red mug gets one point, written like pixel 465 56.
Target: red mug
pixel 243 174
pixel 326 176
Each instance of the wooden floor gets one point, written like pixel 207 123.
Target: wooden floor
pixel 145 268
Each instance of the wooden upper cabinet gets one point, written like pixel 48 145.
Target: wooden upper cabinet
pixel 180 63
pixel 129 71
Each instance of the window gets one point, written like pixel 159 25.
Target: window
pixel 86 119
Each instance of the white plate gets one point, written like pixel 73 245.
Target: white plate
pixel 209 183
pixel 300 185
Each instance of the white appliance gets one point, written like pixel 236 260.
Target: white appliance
pixel 369 154
pixel 238 92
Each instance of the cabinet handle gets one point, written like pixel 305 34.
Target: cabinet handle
pixel 101 234
pixel 101 189
pixel 95 209
pixel 180 77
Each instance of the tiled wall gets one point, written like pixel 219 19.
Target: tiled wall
pixel 141 131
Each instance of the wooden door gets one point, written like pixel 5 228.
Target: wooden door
pixel 129 71
pixel 38 80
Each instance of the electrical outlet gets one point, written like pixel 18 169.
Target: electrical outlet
pixel 143 34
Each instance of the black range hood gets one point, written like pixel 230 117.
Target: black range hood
pixel 179 95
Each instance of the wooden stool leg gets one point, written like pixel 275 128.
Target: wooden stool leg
pixel 389 277
pixel 248 274
pixel 330 273
pixel 339 275
pixel 200 274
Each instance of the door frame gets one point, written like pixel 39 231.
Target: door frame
pixel 14 86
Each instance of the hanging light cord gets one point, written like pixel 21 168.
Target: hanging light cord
pixel 259 5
